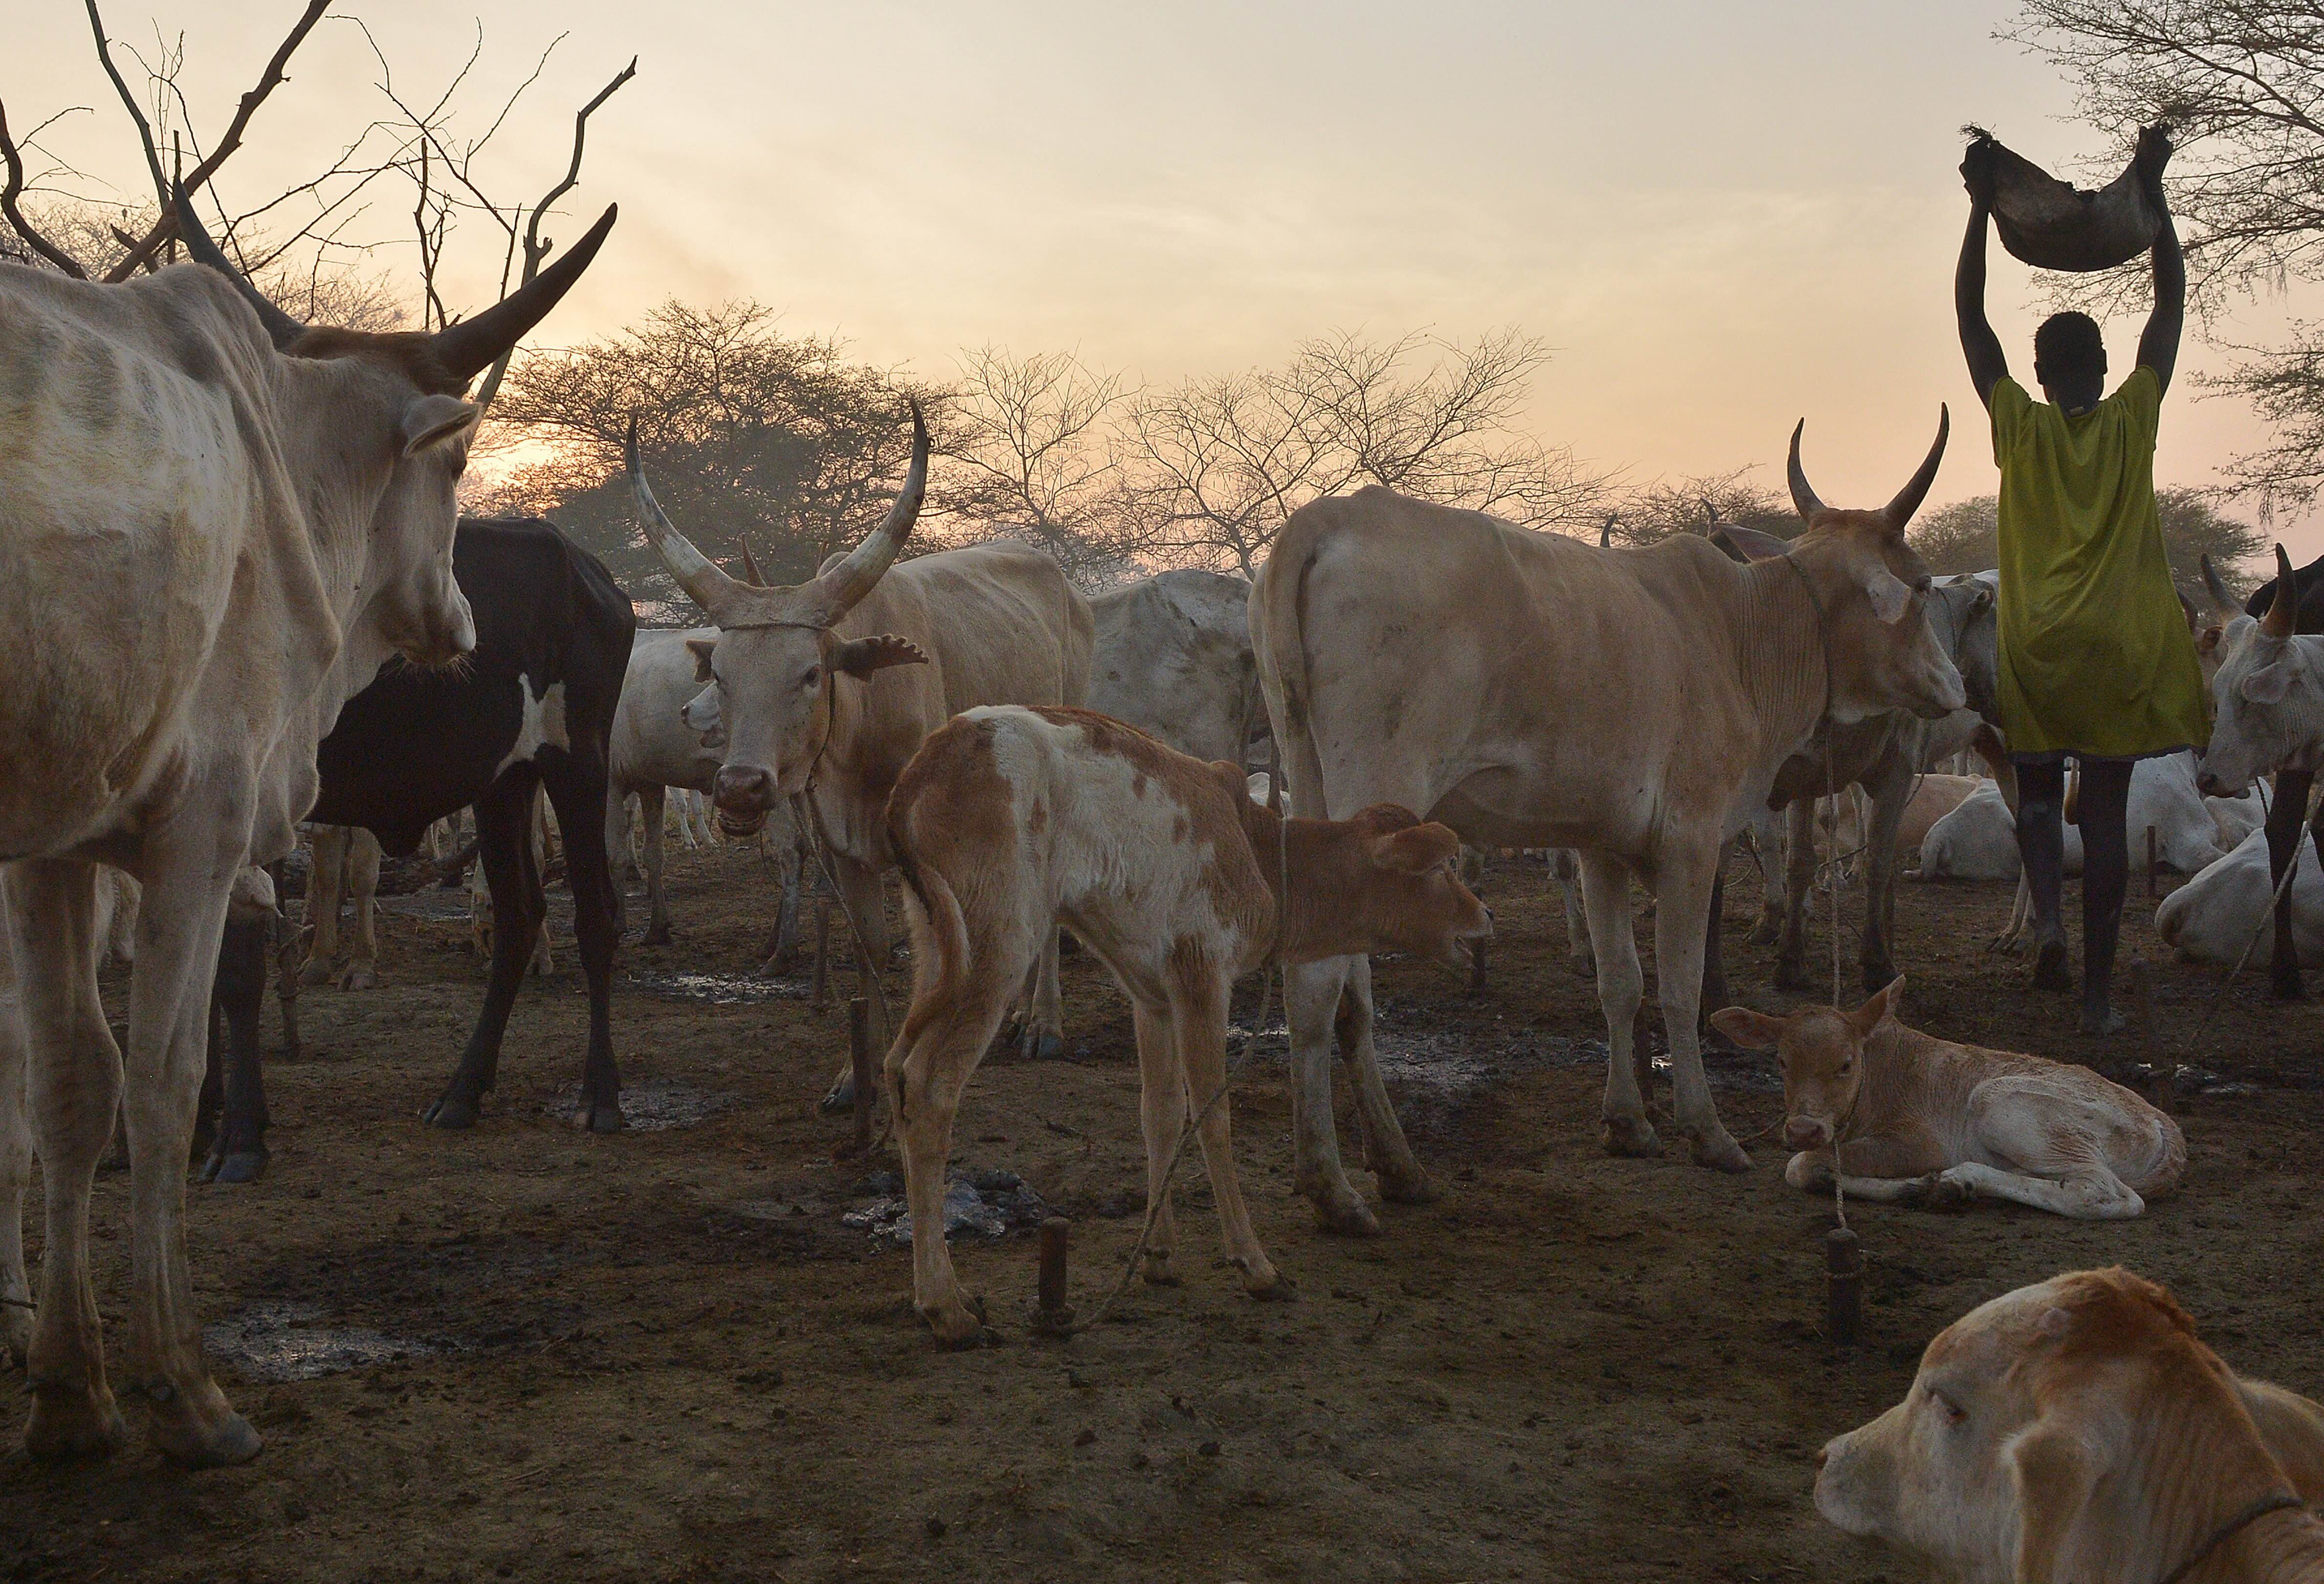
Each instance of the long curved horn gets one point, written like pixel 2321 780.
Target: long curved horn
pixel 837 591
pixel 280 326
pixel 2284 611
pixel 704 580
pixel 1908 500
pixel 2222 602
pixel 1804 497
pixel 1606 531
pixel 750 566
pixel 468 347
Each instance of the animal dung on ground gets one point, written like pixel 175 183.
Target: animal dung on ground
pixel 984 1203
pixel 2054 225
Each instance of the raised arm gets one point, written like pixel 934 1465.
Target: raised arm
pixel 2158 347
pixel 1987 362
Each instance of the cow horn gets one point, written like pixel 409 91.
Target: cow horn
pixel 280 326
pixel 1606 530
pixel 1804 497
pixel 2222 602
pixel 750 566
pixel 466 348
pixel 1908 500
pixel 2283 611
pixel 704 580
pixel 836 592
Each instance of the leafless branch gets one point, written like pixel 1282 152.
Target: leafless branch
pixel 14 189
pixel 129 102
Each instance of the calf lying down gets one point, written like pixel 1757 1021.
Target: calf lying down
pixel 2079 1429
pixel 1913 1119
pixel 1010 821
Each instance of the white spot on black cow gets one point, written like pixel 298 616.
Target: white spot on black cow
pixel 543 726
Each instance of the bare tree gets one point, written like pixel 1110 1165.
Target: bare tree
pixel 1654 511
pixel 1032 459
pixel 2241 83
pixel 1212 468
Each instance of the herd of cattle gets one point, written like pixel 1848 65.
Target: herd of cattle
pixel 238 596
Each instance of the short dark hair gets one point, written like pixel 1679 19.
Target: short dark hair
pixel 2069 343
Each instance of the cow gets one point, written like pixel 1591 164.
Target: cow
pixel 1172 657
pixel 216 523
pixel 655 748
pixel 1010 821
pixel 2223 915
pixel 992 624
pixel 2266 719
pixel 2079 1429
pixel 1913 1119
pixel 346 868
pixel 1529 689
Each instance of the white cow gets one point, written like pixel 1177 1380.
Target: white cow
pixel 1172 656
pixel 1978 840
pixel 2213 916
pixel 215 525
pixel 654 747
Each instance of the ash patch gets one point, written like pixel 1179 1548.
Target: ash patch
pixel 1435 1077
pixel 721 989
pixel 982 1204
pixel 653 1105
pixel 280 1341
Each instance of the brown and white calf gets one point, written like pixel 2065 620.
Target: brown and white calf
pixel 1012 820
pixel 2079 1430
pixel 1911 1118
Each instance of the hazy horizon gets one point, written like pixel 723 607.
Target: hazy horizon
pixel 1721 222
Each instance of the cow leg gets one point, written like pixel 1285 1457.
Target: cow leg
pixel 2287 814
pixel 326 887
pixel 781 956
pixel 1799 885
pixel 1198 1020
pixel 1312 993
pixel 1566 870
pixel 16 1155
pixel 505 855
pixel 1045 1012
pixel 1891 785
pixel 1621 985
pixel 238 1154
pixel 74 1090
pixel 651 802
pixel 1386 1151
pixel 1767 833
pixel 1161 1121
pixel 924 1074
pixel 362 972
pixel 576 787
pixel 2098 1195
pixel 1682 890
pixel 860 891
pixel 618 827
pixel 1714 948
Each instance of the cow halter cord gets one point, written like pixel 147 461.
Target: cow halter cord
pixel 1831 873
pixel 2276 1503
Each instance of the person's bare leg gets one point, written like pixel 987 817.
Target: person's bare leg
pixel 2041 845
pixel 2105 878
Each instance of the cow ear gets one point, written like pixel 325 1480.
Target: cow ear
pixel 433 421
pixel 1748 545
pixel 1879 1009
pixel 2206 641
pixel 2269 683
pixel 701 649
pixel 859 657
pixel 1415 849
pixel 2054 1472
pixel 1754 1031
pixel 1889 596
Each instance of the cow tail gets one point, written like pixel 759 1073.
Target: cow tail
pixel 940 953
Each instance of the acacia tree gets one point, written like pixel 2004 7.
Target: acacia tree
pixel 1032 459
pixel 1211 468
pixel 1965 537
pixel 1655 510
pixel 2241 83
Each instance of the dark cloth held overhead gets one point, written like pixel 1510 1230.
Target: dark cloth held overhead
pixel 2053 226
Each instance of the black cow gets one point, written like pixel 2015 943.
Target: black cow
pixel 532 706
pixel 2288 810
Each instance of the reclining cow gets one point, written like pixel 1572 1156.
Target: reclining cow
pixel 2079 1430
pixel 1913 1119
pixel 220 522
pixel 2222 915
pixel 1532 690
pixel 1010 821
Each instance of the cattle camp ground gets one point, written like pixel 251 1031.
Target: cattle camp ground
pixel 685 1352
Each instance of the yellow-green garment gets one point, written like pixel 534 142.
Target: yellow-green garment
pixel 2096 657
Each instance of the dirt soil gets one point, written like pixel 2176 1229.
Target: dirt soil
pixel 524 1353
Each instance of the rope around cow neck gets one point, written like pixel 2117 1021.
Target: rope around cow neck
pixel 2275 1503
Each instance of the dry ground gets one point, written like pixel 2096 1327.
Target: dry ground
pixel 662 1356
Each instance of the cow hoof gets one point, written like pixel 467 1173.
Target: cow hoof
pixel 1345 1215
pixel 1049 1047
pixel 1583 965
pixel 839 1100
pixel 658 933
pixel 1936 1191
pixel 1720 1153
pixel 1413 1190
pixel 1817 1179
pixel 358 976
pixel 953 1325
pixel 71 1425
pixel 1282 1289
pixel 1627 1136
pixel 453 1112
pixel 315 974
pixel 233 1166
pixel 223 1445
pixel 1763 933
pixel 599 1118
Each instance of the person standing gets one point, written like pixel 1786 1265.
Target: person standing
pixel 2097 663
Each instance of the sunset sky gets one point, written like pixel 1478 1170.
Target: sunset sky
pixel 1722 218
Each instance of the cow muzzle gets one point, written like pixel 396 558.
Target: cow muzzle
pixel 744 795
pixel 2212 785
pixel 1806 1132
